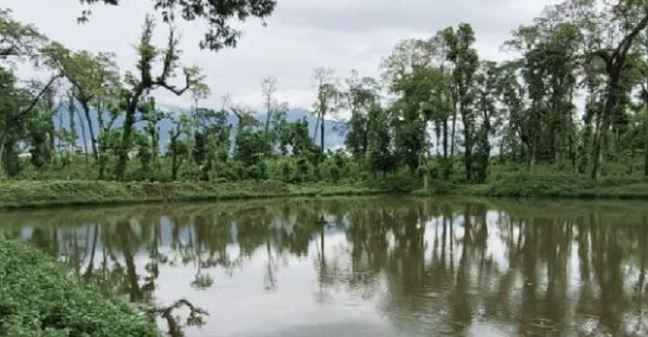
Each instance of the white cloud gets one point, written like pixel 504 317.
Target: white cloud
pixel 301 35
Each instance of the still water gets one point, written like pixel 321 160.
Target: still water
pixel 354 267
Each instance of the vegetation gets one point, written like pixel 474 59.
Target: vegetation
pixel 440 112
pixel 38 297
pixel 546 183
pixel 15 194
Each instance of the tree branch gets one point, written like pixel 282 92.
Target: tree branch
pixel 626 43
pixel 33 103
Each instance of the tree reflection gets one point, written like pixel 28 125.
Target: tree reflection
pixel 433 266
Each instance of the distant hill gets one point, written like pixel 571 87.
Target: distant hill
pixel 334 135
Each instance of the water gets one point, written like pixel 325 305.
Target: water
pixel 358 267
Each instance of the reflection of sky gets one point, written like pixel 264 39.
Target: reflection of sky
pixel 239 305
pixel 388 301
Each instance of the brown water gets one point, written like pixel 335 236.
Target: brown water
pixel 354 267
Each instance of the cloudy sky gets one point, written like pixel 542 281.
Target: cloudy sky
pixel 300 35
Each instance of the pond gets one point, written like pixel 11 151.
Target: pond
pixel 353 267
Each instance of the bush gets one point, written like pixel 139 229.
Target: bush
pixel 38 297
pixel 398 183
pixel 538 184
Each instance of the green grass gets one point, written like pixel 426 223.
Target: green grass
pixel 538 183
pixel 39 297
pixel 547 184
pixel 36 193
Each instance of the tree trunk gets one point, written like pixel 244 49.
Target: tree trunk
pixel 3 143
pixel 122 158
pixel 102 166
pixel 445 139
pixel 316 129
pixel 468 142
pixel 452 133
pixel 484 148
pixel 437 133
pixel 447 167
pixel 322 133
pixel 174 158
pixel 646 145
pixel 93 139
pixel 267 123
pixel 83 135
pixel 600 141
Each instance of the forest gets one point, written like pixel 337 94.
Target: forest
pixel 571 103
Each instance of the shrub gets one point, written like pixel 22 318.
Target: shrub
pixel 537 184
pixel 38 297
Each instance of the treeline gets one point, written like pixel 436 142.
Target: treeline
pixel 574 99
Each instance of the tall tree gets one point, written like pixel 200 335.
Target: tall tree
pixel 609 30
pixel 463 56
pixel 327 102
pixel 139 86
pixel 487 97
pixel 91 78
pixel 269 88
pixel 360 96
pixel 380 145
pixel 178 148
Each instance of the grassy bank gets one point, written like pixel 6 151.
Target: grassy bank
pixel 521 184
pixel 547 185
pixel 39 297
pixel 17 194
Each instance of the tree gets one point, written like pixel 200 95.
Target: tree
pixel 275 111
pixel 269 88
pixel 178 148
pixel 609 31
pixel 465 60
pixel 361 95
pixel 379 141
pixel 216 15
pixel 417 71
pixel 18 41
pixel 139 86
pixel 91 76
pixel 251 144
pixel 16 109
pixel 294 140
pixel 487 97
pixel 327 101
pixel 515 133
pixel 548 68
pixel 411 113
pixel 211 139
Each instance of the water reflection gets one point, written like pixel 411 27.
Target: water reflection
pixel 362 266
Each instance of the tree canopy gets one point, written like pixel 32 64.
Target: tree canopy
pixel 215 14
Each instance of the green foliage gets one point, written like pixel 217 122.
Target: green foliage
pixel 251 147
pixel 450 119
pixel 402 182
pixel 538 183
pixel 14 194
pixel 38 297
pixel 216 15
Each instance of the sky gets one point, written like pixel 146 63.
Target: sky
pixel 300 36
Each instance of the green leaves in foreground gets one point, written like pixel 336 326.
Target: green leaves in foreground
pixel 39 298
